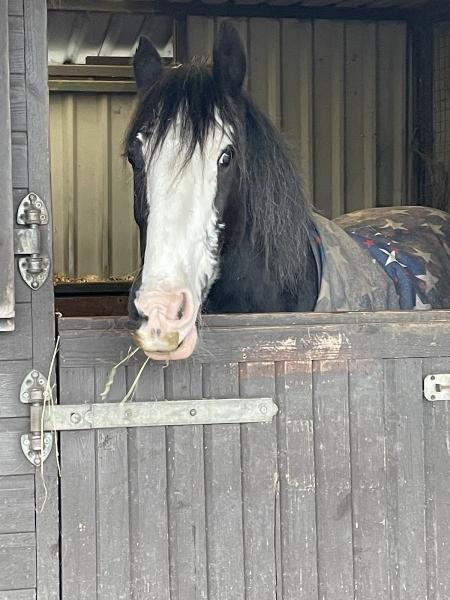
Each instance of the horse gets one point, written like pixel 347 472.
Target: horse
pixel 225 222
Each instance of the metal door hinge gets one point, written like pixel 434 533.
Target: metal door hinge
pixel 133 414
pixel 37 444
pixel 35 267
pixel 437 387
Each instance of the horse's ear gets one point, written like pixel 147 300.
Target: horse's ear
pixel 229 62
pixel 146 63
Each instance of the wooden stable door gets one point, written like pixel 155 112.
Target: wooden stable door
pixel 343 495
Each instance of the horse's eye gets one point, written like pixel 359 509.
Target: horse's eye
pixel 225 158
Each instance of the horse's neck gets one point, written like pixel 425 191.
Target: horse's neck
pixel 245 284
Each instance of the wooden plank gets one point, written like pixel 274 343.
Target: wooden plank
pixel 333 480
pixel 360 116
pixel 391 114
pixel 17 504
pixel 329 117
pixel 13 461
pixel 11 377
pixel 185 491
pixel 368 464
pixel 301 342
pixel 297 480
pixel 223 491
pixel 16 45
pixel 112 511
pixel 18 595
pixel 36 58
pixel 149 544
pixel 15 8
pixel 274 319
pixel 405 478
pixel 437 480
pixel 17 560
pixel 19 153
pixel 260 490
pixel 264 66
pixel 18 103
pixel 297 94
pixel 123 231
pixel 6 207
pixel 78 508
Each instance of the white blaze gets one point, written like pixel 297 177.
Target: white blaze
pixel 182 223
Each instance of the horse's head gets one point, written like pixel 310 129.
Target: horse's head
pixel 183 144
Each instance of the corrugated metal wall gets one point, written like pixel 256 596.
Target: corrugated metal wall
pixel 92 185
pixel 337 89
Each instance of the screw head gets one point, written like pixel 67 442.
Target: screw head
pixel 75 417
pixel 32 197
pixel 263 409
pixel 193 412
pixel 433 397
pixel 432 377
pixel 26 442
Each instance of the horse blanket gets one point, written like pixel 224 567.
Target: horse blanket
pixel 384 259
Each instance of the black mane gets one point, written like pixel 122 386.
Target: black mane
pixel 278 211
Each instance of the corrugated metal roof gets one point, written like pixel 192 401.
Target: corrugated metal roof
pixel 73 35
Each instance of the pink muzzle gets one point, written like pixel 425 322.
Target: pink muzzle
pixel 169 331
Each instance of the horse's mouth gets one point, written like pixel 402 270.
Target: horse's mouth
pixel 180 351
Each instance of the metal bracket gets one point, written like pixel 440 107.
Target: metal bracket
pixel 36 445
pixel 159 413
pixel 437 387
pixel 34 268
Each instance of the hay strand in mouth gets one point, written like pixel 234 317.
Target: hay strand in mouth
pixel 112 374
pixel 134 385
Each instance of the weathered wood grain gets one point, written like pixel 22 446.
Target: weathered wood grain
pixel 15 8
pixel 78 504
pixel 333 480
pixel 297 480
pixel 437 481
pixel 149 543
pixel 260 489
pixel 17 344
pixel 18 102
pixel 17 504
pixel 300 342
pixel 223 491
pixel 17 560
pixel 185 491
pixel 12 374
pixel 273 319
pixel 112 495
pixel 6 238
pixel 368 473
pixel 16 44
pixel 47 520
pixel 405 478
pixel 18 595
pixel 13 461
pixel 19 153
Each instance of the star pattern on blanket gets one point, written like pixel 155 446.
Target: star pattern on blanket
pixel 408 249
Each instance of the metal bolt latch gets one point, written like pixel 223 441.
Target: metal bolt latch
pixel 35 268
pixel 437 387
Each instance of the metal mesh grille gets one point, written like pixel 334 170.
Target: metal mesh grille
pixel 440 167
